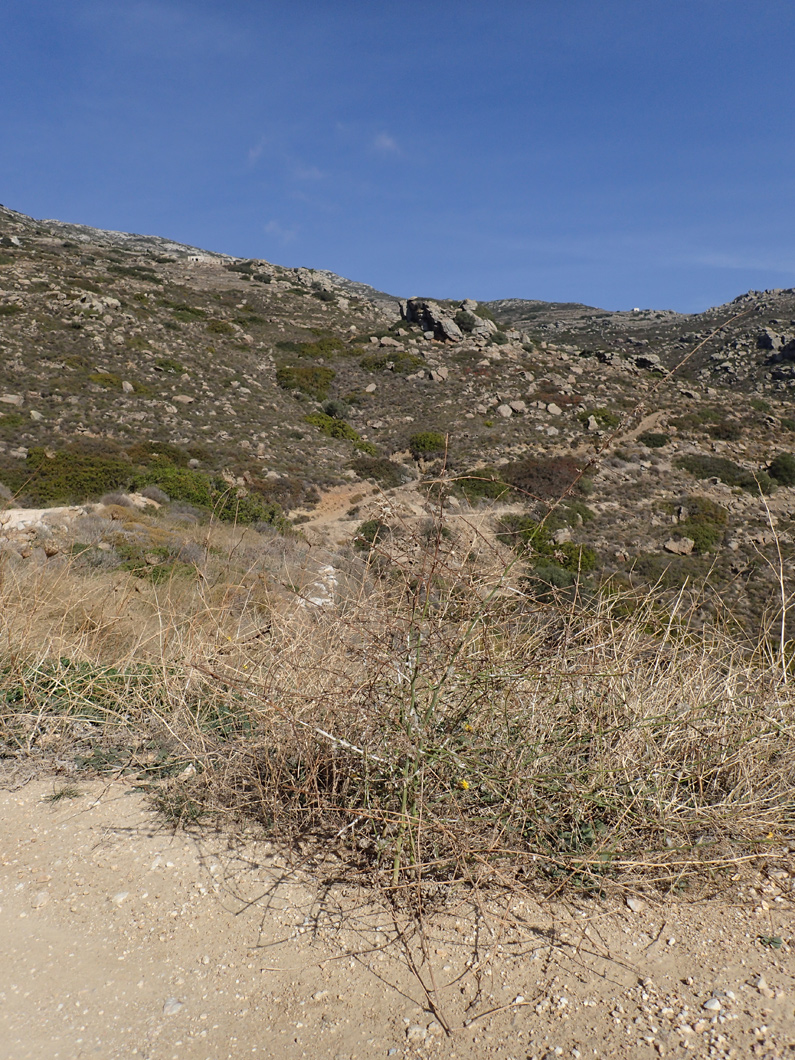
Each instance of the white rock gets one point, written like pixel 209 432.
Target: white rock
pixel 415 1033
pixel 171 1006
pixel 505 411
pixel 637 905
pixel 713 1005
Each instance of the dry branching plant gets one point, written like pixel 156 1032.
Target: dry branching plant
pixel 412 714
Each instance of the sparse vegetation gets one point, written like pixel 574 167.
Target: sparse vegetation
pixel 427 444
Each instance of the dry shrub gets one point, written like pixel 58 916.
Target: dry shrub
pixel 434 725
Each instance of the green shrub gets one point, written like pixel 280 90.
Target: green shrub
pixel 336 408
pixel 725 470
pixel 220 327
pixel 166 364
pixel 186 313
pixel 705 523
pixel 759 404
pixel 485 313
pixel 340 430
pixel 385 472
pixel 654 440
pixel 135 272
pixel 395 360
pixel 311 379
pixel 524 534
pixel 9 310
pixel 498 338
pixel 787 423
pixel 606 419
pixel 68 477
pixel 427 444
pixel 483 483
pixel 370 533
pixel 782 468
pixel 466 321
pixel 226 502
pixel 726 431
pixel 106 379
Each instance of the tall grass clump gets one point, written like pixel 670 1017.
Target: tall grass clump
pixel 427 720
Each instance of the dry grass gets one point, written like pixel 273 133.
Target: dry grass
pixel 436 726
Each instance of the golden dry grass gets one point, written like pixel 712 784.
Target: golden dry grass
pixel 437 725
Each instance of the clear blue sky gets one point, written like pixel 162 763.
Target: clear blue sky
pixel 616 152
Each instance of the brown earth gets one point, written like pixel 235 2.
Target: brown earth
pixel 122 938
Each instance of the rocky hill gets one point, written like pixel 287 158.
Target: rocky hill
pixel 134 362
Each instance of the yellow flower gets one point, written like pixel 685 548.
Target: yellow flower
pixel 463 785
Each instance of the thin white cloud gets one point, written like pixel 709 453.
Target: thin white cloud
pixel 386 144
pixel 256 151
pixel 280 232
pixel 302 172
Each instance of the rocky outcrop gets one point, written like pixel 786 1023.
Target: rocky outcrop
pixel 431 318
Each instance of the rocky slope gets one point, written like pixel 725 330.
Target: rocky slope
pixel 128 361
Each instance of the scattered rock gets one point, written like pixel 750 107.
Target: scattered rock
pixel 679 546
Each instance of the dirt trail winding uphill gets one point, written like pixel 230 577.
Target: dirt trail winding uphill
pixel 122 939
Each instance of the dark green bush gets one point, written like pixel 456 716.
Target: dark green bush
pixel 311 379
pixel 483 483
pixel 524 534
pixel 336 408
pixel 9 310
pixel 68 477
pixel 135 272
pixel 759 404
pixel 370 533
pixel 385 472
pixel 395 360
pixel 653 440
pixel 782 468
pixel 606 419
pixel 106 379
pixel 727 471
pixel 341 430
pixel 220 327
pixel 166 364
pixel 427 444
pixel 787 423
pixel 726 431
pixel 227 502
pixel 466 321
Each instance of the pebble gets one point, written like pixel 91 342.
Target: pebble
pixel 713 1005
pixel 40 899
pixel 415 1033
pixel 171 1006
pixel 119 898
pixel 637 905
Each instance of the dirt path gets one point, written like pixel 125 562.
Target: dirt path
pixel 121 939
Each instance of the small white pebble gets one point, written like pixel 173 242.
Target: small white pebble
pixel 713 1005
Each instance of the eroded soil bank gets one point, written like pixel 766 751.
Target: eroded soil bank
pixel 123 939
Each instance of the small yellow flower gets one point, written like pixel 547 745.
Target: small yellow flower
pixel 468 727
pixel 463 785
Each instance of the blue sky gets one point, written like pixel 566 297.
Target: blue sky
pixel 615 152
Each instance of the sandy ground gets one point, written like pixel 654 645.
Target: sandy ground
pixel 123 939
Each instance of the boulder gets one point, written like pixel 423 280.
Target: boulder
pixel 679 546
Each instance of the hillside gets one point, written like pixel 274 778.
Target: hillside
pixel 128 361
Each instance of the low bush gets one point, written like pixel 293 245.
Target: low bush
pixel 397 361
pixel 340 430
pixel 167 364
pixel 727 471
pixel 705 523
pixel 370 533
pixel 311 379
pixel 427 444
pixel 606 419
pixel 726 431
pixel 482 484
pixel 67 477
pixel 546 477
pixel 526 535
pixel 653 439
pixel 782 469
pixel 220 327
pixel 385 472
